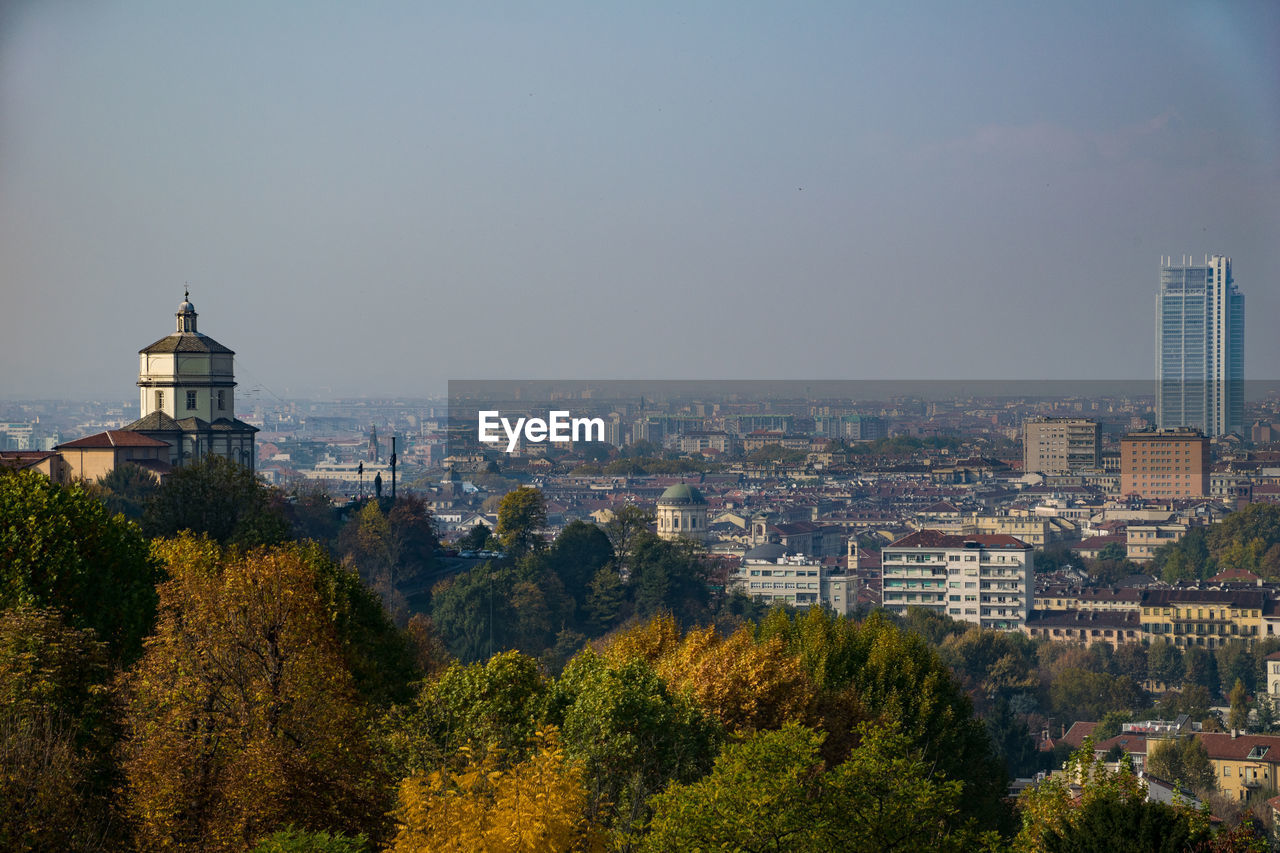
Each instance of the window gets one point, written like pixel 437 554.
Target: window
pixel 222 401
pixel 159 399
pixel 191 400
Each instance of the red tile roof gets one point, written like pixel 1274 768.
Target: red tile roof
pixel 938 539
pixel 112 438
pixel 1224 746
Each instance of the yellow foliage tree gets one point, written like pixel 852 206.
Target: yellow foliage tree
pixel 748 685
pixel 649 641
pixel 241 716
pixel 537 805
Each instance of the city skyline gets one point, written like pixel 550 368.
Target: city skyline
pixel 373 203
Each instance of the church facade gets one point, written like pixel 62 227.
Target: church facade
pixel 186 385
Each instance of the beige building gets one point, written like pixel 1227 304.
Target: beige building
pixel 96 456
pixel 682 512
pixel 1142 540
pixel 795 581
pixel 1169 463
pixel 1060 445
pixel 186 388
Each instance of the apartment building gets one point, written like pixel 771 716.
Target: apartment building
pixel 1060 445
pixel 1203 617
pixel 985 579
pixel 796 581
pixel 1168 463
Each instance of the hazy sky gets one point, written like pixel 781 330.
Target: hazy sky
pixel 372 198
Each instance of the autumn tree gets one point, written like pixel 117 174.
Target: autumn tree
pixel 61 548
pixel 536 804
pixel 55 735
pixel 1238 718
pixel 221 499
pixel 241 717
pixel 521 517
pixel 745 684
pixel 875 668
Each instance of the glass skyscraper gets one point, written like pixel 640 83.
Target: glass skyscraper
pixel 1199 347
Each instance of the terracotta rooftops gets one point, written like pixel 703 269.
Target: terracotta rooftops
pixel 112 438
pixel 938 539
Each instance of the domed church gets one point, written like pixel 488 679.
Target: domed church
pixel 187 384
pixel 682 512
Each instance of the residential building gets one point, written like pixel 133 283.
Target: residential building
pixel 795 581
pixel 1142 540
pixel 1242 763
pixel 1200 348
pixel 985 579
pixel 1167 463
pixel 1113 627
pixel 1203 617
pixel 1060 445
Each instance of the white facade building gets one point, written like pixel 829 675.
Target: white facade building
pixel 986 579
pixel 796 581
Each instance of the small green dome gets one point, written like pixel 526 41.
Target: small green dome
pixel 681 494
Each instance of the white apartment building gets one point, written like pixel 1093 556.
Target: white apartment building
pixel 796 581
pixel 986 579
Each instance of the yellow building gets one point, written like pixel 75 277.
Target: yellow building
pixel 1209 618
pixel 1243 764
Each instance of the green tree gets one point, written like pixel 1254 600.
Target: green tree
pixel 1238 718
pixel 875 665
pixel 221 499
pixel 1237 662
pixel 1112 724
pixel 1202 668
pixel 475 539
pixel 1165 663
pixel 625 527
pixel 301 841
pixel 577 554
pixel 392 542
pixel 630 734
pixel 1085 695
pixel 381 658
pixel 127 489
pixel 1184 761
pixel 61 548
pixel 666 577
pixel 493 706
pixel 521 517
pixel 772 792
pixel 1110 812
pixel 605 600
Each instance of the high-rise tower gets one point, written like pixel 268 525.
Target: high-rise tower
pixel 1199 347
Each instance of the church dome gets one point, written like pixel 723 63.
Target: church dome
pixel 681 494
